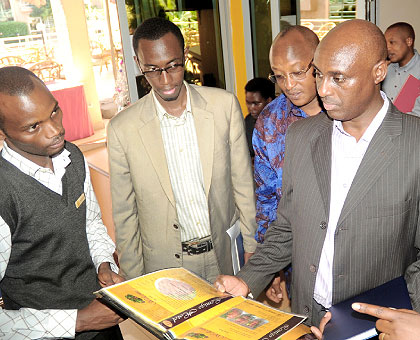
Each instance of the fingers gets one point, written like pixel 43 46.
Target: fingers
pixel 271 294
pixel 219 285
pixel 319 331
pixel 316 332
pixel 324 321
pixel 116 278
pixel 374 310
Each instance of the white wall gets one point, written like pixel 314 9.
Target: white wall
pixel 391 11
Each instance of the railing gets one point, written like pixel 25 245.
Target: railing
pixel 27 41
pixel 321 26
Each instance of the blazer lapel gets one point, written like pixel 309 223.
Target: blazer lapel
pixel 204 126
pixel 151 137
pixel 321 157
pixel 379 155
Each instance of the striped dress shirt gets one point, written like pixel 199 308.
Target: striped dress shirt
pixel 185 171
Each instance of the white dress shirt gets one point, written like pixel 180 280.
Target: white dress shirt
pixel 346 156
pixel 185 171
pixel 28 323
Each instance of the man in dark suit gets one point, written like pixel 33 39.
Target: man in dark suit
pixel 348 219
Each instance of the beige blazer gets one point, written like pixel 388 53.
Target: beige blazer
pixel 143 205
pixel 378 234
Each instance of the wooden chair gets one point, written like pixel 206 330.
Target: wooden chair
pixel 100 56
pixel 47 70
pixel 11 61
pixel 324 29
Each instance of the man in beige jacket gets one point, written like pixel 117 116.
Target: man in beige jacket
pixel 180 168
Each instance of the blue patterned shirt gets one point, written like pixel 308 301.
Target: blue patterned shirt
pixel 269 143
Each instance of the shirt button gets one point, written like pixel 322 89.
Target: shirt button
pixel 323 225
pixel 312 268
pixel 306 310
pixel 176 226
pixel 177 256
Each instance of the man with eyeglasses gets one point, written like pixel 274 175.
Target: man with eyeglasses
pixel 291 56
pixel 179 165
pixel 349 215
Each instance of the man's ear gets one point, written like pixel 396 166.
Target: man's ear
pixel 2 135
pixel 409 41
pixel 379 71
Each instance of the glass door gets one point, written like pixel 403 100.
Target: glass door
pixel 199 21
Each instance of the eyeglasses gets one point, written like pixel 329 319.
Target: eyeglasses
pixel 157 71
pixel 298 75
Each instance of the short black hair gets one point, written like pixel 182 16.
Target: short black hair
pixel 16 81
pixel 262 85
pixel 154 29
pixel 406 28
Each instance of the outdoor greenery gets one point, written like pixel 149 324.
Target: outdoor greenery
pixel 43 12
pixel 13 29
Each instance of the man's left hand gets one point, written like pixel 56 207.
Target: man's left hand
pixel 106 276
pixel 247 256
pixel 318 331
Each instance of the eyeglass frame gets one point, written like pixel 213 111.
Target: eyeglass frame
pixel 159 70
pixel 293 75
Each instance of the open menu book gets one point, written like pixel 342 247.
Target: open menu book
pixel 176 304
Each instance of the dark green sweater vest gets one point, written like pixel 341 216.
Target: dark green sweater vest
pixel 50 266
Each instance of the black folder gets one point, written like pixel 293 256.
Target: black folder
pixel 348 324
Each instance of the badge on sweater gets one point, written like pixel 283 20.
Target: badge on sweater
pixel 80 200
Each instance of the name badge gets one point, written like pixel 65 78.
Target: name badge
pixel 80 200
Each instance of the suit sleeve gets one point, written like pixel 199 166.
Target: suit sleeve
pixel 242 181
pixel 412 274
pixel 124 208
pixel 276 252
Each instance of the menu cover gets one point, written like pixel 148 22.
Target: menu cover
pixel 348 324
pixel 176 304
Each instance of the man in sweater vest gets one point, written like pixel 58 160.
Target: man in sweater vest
pixel 55 251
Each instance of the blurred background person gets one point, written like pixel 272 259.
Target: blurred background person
pixel 405 60
pixel 258 93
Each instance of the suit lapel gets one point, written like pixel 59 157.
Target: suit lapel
pixel 204 126
pixel 151 137
pixel 321 157
pixel 381 152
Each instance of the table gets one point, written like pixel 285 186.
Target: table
pixel 72 101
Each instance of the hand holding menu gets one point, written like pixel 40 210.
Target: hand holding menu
pixel 408 94
pixel 176 304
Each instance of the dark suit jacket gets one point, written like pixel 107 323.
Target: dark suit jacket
pixel 377 236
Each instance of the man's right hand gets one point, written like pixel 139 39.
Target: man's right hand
pixel 274 292
pixel 231 285
pixel 96 316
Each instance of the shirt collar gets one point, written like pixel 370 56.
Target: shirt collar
pixel 30 168
pixel 373 126
pixel 161 112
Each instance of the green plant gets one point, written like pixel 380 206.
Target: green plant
pixel 13 29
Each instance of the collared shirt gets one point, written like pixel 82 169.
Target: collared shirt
pixel 397 76
pixel 185 171
pixel 269 140
pixel 346 156
pixel 28 323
